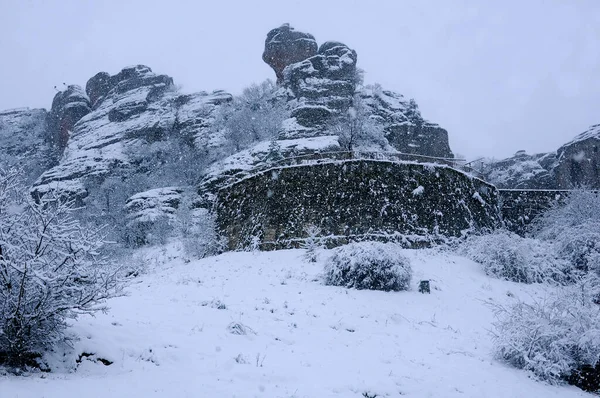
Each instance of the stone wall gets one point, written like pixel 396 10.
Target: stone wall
pixel 519 207
pixel 354 200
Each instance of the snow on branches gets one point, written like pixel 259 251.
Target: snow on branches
pixel 51 270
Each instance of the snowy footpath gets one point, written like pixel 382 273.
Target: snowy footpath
pixel 263 325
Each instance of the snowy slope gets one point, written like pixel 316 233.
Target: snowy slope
pixel 170 337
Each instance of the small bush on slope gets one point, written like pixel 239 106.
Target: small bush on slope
pixel 507 256
pixel 555 338
pixel 574 229
pixel 369 265
pixel 50 270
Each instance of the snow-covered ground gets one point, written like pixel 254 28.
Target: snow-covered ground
pixel 174 335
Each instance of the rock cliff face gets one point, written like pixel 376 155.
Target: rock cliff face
pixel 405 128
pixel 285 46
pixel 324 83
pixel 25 141
pixel 574 165
pixel 578 162
pixel 68 107
pixel 132 109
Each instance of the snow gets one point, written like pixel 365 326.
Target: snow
pixel 248 159
pixel 279 332
pixel 418 191
pixel 592 132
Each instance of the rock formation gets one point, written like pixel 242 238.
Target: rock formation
pixel 578 162
pixel 139 108
pixel 574 165
pixel 68 107
pixel 324 83
pixel 25 141
pixel 285 46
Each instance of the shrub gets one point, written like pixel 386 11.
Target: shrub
pixel 580 247
pixel 556 338
pixel 369 265
pixel 50 270
pixel 579 209
pixel 507 256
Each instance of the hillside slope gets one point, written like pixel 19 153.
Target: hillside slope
pixel 175 335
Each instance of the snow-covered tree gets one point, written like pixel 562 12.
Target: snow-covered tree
pixel 255 115
pixel 50 270
pixel 312 243
pixel 573 227
pixel 358 129
pixel 199 232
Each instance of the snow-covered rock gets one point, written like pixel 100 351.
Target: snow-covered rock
pixel 405 128
pixel 24 141
pixel 324 84
pixel 578 162
pixel 140 108
pixel 285 46
pixel 522 171
pixel 575 164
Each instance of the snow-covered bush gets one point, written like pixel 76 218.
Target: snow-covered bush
pixel 508 256
pixel 369 265
pixel 573 227
pixel 50 270
pixel 581 248
pixel 579 209
pixel 554 338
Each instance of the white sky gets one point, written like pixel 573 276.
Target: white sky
pixel 500 76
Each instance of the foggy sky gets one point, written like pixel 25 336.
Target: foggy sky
pixel 500 76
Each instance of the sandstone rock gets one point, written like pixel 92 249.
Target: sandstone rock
pixel 522 171
pixel 405 128
pixel 151 214
pixel 285 46
pixel 140 108
pixel 97 87
pixel 322 85
pixel 68 107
